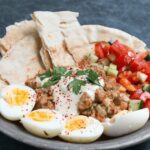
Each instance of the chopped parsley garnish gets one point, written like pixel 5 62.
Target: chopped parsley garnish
pixel 76 84
pixel 55 76
pixel 82 72
pixel 69 73
pixel 49 83
pixel 147 58
pixel 44 75
pixel 58 72
pixel 93 77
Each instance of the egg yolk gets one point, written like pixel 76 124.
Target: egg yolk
pixel 17 97
pixel 76 123
pixel 41 116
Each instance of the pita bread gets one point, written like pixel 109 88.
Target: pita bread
pixel 15 33
pixel 52 38
pixel 22 61
pixel 75 39
pixel 46 58
pixel 96 33
pixel 76 43
pixel 67 16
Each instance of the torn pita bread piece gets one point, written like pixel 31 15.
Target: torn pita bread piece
pixel 75 40
pixel 67 16
pixel 77 43
pixel 15 33
pixel 97 33
pixel 74 36
pixel 52 38
pixel 46 58
pixel 22 61
pixel 68 19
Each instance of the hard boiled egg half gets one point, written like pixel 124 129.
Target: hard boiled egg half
pixel 43 122
pixel 125 122
pixel 16 101
pixel 81 129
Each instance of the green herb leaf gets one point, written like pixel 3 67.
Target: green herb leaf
pixel 93 77
pixel 147 58
pixel 82 72
pixel 49 83
pixel 69 73
pixel 56 76
pixel 76 84
pixel 59 71
pixel 44 75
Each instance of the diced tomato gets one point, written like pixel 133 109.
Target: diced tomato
pixel 142 66
pixel 102 49
pixel 146 70
pixel 117 49
pixel 139 94
pixel 127 84
pixel 136 94
pixel 122 61
pixel 148 79
pixel 139 64
pixel 134 65
pixel 123 54
pixel 125 74
pixel 105 46
pixel 134 78
pixel 147 104
pixel 99 51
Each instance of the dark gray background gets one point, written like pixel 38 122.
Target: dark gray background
pixel 129 15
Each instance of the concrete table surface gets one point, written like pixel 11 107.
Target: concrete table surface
pixel 131 16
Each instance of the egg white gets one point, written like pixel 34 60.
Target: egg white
pixel 126 122
pixel 45 129
pixel 15 112
pixel 89 134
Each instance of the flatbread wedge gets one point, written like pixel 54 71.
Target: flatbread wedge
pixel 52 39
pixel 46 58
pixel 15 33
pixel 22 61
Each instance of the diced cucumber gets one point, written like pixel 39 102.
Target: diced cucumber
pixel 93 58
pixel 142 76
pixel 112 66
pixel 111 57
pixel 135 105
pixel 146 87
pixel 104 61
pixel 112 72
